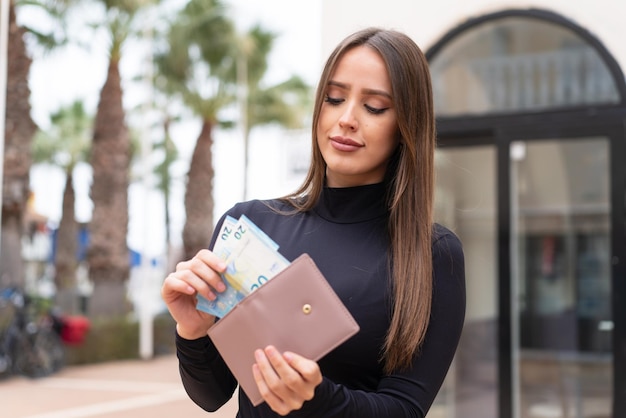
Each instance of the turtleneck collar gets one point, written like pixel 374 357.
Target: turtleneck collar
pixel 352 204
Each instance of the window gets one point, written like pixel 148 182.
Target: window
pixel 519 63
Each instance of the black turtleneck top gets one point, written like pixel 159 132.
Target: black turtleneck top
pixel 346 235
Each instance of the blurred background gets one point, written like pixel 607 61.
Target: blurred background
pixel 131 126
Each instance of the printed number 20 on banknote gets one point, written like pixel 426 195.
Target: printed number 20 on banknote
pixel 230 297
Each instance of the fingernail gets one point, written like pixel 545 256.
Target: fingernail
pixel 220 287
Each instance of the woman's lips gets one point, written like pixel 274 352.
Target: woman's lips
pixel 343 143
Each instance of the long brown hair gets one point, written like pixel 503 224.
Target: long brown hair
pixel 411 185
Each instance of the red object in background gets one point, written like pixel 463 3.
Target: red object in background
pixel 74 329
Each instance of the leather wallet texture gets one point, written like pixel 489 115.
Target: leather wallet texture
pixel 296 311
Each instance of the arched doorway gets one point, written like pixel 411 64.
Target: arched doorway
pixel 531 175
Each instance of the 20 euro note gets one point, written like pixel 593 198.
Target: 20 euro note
pixel 223 247
pixel 253 264
pixel 245 226
pixel 254 260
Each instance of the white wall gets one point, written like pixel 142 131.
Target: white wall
pixel 427 21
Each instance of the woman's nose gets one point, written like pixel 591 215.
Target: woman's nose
pixel 348 119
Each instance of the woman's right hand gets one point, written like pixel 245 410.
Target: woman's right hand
pixel 200 275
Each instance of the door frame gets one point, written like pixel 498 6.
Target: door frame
pixel 501 131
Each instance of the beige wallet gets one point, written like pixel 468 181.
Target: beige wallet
pixel 295 311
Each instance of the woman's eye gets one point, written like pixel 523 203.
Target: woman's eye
pixel 333 100
pixel 375 110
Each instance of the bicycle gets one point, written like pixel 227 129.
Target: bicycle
pixel 30 344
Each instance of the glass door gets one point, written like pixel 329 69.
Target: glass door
pixel 465 202
pixel 561 272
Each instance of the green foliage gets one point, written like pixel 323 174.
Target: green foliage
pixel 56 10
pixel 118 339
pixel 68 139
pixel 127 6
pixel 170 155
pixel 287 103
pixel 255 46
pixel 195 63
pixel 120 16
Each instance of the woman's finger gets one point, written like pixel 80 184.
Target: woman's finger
pixel 267 382
pixel 282 387
pixel 307 368
pixel 204 267
pixel 287 375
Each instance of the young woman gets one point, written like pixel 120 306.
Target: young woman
pixel 365 215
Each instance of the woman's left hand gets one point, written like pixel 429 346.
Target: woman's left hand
pixel 285 380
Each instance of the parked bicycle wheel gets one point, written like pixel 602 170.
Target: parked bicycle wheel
pixel 42 353
pixel 6 366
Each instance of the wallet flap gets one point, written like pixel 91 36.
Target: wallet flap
pixel 296 311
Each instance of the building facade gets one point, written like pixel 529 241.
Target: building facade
pixel 531 174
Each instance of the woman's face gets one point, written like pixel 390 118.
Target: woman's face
pixel 357 128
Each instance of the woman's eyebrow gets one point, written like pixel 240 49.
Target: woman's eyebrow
pixel 370 92
pixel 338 84
pixel 377 93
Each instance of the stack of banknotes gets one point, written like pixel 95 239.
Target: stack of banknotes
pixel 251 257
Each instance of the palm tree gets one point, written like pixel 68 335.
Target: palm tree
pixel 196 65
pixel 65 144
pixel 19 131
pixel 163 174
pixel 108 254
pixel 20 128
pixel 203 50
pixel 285 104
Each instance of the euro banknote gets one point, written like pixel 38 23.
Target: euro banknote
pixel 225 300
pixel 252 258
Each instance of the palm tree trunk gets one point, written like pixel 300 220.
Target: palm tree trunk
pixel 19 132
pixel 166 184
pixel 199 195
pixel 246 162
pixel 66 262
pixel 108 254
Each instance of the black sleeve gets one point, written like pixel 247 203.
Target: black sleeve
pixel 409 393
pixel 206 378
pixel 204 374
